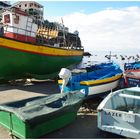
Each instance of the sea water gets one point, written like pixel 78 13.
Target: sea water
pixel 99 57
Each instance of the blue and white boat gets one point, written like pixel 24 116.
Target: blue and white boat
pixel 119 113
pixel 96 80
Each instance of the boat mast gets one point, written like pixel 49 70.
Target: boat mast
pixel 64 36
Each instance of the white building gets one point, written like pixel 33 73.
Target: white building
pixel 33 8
pixel 4 4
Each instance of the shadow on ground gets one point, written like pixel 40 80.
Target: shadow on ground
pixel 48 87
pixel 85 126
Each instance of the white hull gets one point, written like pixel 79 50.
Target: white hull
pixel 103 88
pixel 119 113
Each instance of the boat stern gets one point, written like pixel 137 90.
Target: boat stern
pixel 119 113
pixel 125 124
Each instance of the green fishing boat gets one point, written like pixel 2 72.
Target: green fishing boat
pixel 34 117
pixel 31 47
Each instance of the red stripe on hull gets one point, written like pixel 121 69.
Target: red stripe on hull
pixel 21 37
pixel 133 70
pixel 132 76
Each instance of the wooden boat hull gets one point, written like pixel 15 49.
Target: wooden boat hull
pixel 119 113
pixel 25 121
pixel 132 78
pixel 104 88
pixel 132 74
pixel 22 130
pixel 19 60
pixel 96 87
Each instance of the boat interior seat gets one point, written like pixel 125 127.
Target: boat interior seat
pixel 56 104
pixel 123 104
pixel 95 75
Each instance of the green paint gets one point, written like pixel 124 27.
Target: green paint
pixel 15 64
pixel 22 130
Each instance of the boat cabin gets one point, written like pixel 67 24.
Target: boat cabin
pixel 3 5
pixel 19 25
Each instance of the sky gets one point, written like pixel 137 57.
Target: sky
pixel 102 25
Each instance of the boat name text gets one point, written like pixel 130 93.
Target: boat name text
pixel 113 114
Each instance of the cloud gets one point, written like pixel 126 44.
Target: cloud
pixel 116 30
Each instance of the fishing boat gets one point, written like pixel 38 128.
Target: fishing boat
pixel 132 74
pixel 37 116
pixel 96 80
pixel 31 47
pixel 119 113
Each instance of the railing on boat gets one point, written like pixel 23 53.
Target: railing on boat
pixel 129 96
pixel 39 39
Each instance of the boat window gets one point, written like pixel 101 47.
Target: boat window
pixel 19 6
pixel 16 20
pixel 25 5
pixel 7 18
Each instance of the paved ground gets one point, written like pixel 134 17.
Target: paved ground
pixel 85 126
